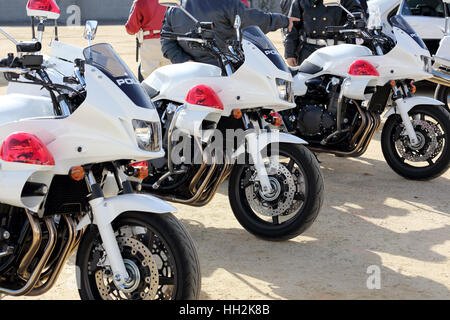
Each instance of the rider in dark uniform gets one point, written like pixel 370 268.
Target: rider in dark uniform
pixel 222 13
pixel 310 34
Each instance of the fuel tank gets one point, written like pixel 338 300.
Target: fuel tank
pixel 328 57
pixel 14 107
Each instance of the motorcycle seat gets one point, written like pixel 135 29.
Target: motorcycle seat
pixel 309 68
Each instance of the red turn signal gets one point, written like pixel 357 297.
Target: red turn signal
pixel 274 118
pixel 237 113
pixel 141 169
pixel 277 120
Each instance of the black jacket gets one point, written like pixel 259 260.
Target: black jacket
pixel 315 17
pixel 222 13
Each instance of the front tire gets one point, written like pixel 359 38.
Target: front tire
pixel 307 200
pixel 158 237
pixel 431 158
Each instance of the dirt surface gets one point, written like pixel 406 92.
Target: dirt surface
pixel 372 219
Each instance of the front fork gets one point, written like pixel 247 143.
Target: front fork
pixel 254 152
pixel 401 106
pixel 99 212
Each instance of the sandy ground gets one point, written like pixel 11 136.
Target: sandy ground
pixel 372 219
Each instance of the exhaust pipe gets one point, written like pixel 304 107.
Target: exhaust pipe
pixel 440 78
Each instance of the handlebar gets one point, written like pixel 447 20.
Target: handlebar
pixel 14 70
pixel 182 37
pixel 172 36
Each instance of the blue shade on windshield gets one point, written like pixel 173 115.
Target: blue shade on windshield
pixel 401 23
pixel 260 40
pixel 103 57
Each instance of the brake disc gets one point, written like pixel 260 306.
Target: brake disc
pixel 282 197
pixel 428 147
pixel 141 267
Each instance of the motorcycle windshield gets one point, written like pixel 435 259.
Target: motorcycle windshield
pixel 401 23
pixel 103 57
pixel 260 40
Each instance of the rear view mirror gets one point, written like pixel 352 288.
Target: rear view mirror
pixel 177 4
pixel 44 9
pixel 332 3
pixel 170 3
pixel 90 29
pixel 337 3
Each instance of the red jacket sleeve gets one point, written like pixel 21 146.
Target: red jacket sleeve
pixel 246 3
pixel 133 24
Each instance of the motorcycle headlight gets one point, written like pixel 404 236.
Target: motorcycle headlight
pixel 148 135
pixel 285 90
pixel 427 64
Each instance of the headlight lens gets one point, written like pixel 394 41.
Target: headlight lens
pixel 148 135
pixel 427 64
pixel 285 90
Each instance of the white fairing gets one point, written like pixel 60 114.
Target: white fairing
pixel 247 88
pixel 426 27
pixel 444 48
pixel 442 57
pixel 100 130
pixel 402 62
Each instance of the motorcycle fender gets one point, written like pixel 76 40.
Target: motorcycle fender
pixel 190 119
pixel 267 138
pixel 409 103
pixel 111 208
pixel 354 88
pixel 13 179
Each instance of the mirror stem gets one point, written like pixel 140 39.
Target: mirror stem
pixel 8 36
pixel 33 32
pixel 189 15
pixel 56 30
pixel 345 9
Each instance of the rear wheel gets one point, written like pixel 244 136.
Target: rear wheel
pixel 159 255
pixel 296 200
pixel 442 94
pixel 431 157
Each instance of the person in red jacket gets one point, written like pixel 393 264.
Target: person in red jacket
pixel 146 19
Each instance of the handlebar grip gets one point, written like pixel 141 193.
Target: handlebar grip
pixel 170 35
pixel 207 25
pixel 29 47
pixel 4 63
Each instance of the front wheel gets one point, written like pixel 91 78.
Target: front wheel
pixel 158 253
pixel 295 202
pixel 428 159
